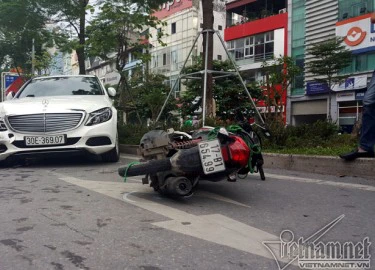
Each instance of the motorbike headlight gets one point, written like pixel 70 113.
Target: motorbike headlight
pixel 99 116
pixel 3 127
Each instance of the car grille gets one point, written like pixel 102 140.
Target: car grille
pixel 45 122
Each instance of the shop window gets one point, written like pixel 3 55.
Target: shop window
pixel 299 79
pixel 360 63
pixel 353 8
pixel 259 47
pixel 269 48
pixel 164 59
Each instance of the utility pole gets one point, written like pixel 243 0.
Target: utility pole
pixel 33 58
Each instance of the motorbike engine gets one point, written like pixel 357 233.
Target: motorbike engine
pixel 154 145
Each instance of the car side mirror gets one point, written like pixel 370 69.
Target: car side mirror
pixel 111 91
pixel 10 96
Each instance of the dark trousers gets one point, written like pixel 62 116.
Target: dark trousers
pixel 367 140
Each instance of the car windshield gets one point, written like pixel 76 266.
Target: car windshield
pixel 61 86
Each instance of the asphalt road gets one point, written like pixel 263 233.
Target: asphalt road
pixel 79 214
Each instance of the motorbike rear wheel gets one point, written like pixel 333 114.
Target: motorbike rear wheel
pixel 149 167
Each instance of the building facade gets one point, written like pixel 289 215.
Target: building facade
pixel 256 31
pixel 183 22
pixel 316 21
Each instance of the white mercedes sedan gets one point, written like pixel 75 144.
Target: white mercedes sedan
pixel 59 115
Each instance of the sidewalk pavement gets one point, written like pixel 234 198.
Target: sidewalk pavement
pixel 362 167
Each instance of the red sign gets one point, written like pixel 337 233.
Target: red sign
pixel 172 7
pixel 15 86
pixel 355 36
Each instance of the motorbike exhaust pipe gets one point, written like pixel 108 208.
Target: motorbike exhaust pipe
pixel 180 186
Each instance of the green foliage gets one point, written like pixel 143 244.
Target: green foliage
pixel 329 58
pixel 117 30
pixel 21 21
pixel 335 146
pixel 279 75
pixel 131 134
pixel 281 70
pixel 150 93
pixel 320 138
pixel 72 16
pixel 228 92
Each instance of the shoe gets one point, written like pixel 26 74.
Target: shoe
pixel 355 154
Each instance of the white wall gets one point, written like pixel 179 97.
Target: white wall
pixel 179 42
pixel 279 42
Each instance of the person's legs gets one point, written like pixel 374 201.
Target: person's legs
pixel 367 140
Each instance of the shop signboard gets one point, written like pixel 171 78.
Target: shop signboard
pixel 359 95
pixel 358 33
pixel 7 80
pixel 172 7
pixel 345 96
pixel 352 83
pixel 315 88
pixel 112 78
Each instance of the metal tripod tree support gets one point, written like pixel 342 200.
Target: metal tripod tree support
pixel 205 71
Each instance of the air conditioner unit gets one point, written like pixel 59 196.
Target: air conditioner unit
pixel 282 11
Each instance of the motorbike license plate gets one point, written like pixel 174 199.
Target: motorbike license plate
pixel 211 157
pixel 44 140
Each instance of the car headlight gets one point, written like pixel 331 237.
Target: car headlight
pixel 99 116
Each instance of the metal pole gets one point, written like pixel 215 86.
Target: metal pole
pixel 205 82
pixel 170 92
pixel 33 58
pixel 239 76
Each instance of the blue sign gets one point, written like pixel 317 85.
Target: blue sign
pixel 359 95
pixel 314 88
pixel 9 79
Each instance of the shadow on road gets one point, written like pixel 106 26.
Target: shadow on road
pixel 53 162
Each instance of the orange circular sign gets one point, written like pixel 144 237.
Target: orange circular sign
pixel 355 36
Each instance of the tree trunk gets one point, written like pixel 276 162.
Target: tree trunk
pixel 208 23
pixel 81 36
pixel 329 115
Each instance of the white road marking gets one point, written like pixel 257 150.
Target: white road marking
pixel 215 228
pixel 321 182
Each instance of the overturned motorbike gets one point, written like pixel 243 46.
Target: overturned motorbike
pixel 174 162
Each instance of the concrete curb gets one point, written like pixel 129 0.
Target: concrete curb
pixel 363 167
pixel 328 165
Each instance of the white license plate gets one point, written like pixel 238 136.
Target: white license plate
pixel 45 140
pixel 211 157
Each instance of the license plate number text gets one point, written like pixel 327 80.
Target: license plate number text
pixel 211 157
pixel 45 140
